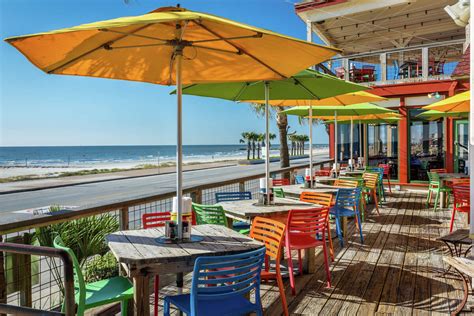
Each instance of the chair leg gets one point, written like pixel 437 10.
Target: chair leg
pixel 290 269
pixel 124 307
pixel 331 247
pixel 300 262
pixel 326 263
pixel 452 220
pixel 438 193
pixel 428 198
pixel 166 308
pixel 338 231
pixel 376 202
pixel 389 185
pixel 157 294
pixel 360 228
pixel 281 288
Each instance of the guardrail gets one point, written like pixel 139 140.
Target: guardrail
pixel 30 282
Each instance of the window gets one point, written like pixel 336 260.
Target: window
pixel 344 141
pixel 382 146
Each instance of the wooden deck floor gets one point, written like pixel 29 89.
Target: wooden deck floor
pixel 394 272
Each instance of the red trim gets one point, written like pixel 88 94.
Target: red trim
pixel 403 151
pixel 331 141
pixel 414 88
pixel 316 4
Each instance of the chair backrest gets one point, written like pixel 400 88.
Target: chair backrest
pixel 443 170
pixel 233 196
pixel 209 214
pixel 462 181
pixel 370 179
pixel 385 167
pixel 379 170
pixel 461 194
pixel 225 277
pixel 348 198
pixel 324 199
pixel 371 67
pixel 322 173
pixel 158 219
pixel 280 182
pixel 307 222
pixel 271 233
pixel 343 183
pixel 299 179
pixel 79 283
pixel 278 192
pixel 433 177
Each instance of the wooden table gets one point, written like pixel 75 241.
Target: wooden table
pixel 352 173
pixel 246 210
pixel 457 239
pixel 143 257
pixel 446 177
pixel 295 190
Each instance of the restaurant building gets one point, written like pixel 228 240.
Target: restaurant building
pixel 412 53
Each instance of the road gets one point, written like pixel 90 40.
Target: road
pixel 125 189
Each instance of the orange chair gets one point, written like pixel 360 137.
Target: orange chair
pixel 154 220
pixel 370 189
pixel 271 233
pixel 386 174
pixel 462 202
pixel 303 228
pixel 343 183
pixel 280 182
pixel 324 199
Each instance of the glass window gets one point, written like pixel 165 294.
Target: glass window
pixel 344 142
pixel 426 146
pixel 382 146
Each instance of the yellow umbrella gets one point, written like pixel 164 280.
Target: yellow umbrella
pixel 365 117
pixel 457 103
pixel 343 99
pixel 169 46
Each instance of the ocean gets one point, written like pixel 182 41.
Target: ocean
pixel 87 156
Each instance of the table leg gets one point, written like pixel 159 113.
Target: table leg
pixel 309 261
pixel 141 295
pixel 465 292
pixel 230 222
pixel 442 199
pixel 344 228
pixel 179 285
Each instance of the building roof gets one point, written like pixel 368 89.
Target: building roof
pixel 463 68
pixel 357 26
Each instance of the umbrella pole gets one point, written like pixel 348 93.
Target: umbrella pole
pixel 311 146
pixel 335 141
pixel 352 138
pixel 267 141
pixel 179 147
pixel 360 139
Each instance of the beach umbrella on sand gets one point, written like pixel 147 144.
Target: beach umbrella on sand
pixel 305 85
pixel 171 46
pixel 334 111
pixel 343 99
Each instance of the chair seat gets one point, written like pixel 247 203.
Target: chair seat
pixel 340 211
pixel 232 306
pixel 241 225
pixel 107 291
pixel 303 242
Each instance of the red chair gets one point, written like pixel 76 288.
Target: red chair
pixel 462 202
pixel 306 229
pixel 280 182
pixel 439 170
pixel 386 174
pixel 323 172
pixel 154 220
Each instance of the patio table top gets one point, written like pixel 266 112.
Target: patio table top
pixel 452 175
pixel 295 190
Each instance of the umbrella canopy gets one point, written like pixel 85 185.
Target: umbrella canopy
pixel 144 48
pixel 343 99
pixel 387 120
pixel 171 46
pixel 458 103
pixel 434 115
pixel 307 84
pixel 362 118
pixel 338 110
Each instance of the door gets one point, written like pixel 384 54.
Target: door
pixel 461 144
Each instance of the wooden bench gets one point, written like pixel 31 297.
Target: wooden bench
pixel 465 267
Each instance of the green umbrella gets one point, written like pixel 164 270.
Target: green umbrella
pixel 434 114
pixel 305 85
pixel 334 110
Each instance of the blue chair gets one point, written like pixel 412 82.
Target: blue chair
pixel 235 196
pixel 299 179
pixel 381 189
pixel 347 205
pixel 219 286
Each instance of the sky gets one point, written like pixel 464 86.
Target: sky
pixel 37 109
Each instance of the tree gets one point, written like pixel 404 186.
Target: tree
pixel 260 143
pixel 254 140
pixel 304 139
pixel 246 138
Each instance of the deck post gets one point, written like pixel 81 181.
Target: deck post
pixel 124 218
pixel 383 67
pixel 345 65
pixel 424 62
pixel 25 282
pixel 3 282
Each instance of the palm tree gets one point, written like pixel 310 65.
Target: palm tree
pixel 292 139
pixel 246 139
pixel 254 139
pixel 304 139
pixel 260 143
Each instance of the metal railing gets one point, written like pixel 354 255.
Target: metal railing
pixel 33 278
pixel 435 61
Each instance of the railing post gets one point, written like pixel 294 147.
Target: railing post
pixel 196 196
pixel 241 186
pixel 3 281
pixel 383 67
pixel 124 218
pixel 424 62
pixel 24 269
pixel 345 65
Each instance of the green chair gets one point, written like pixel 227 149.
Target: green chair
pixel 90 295
pixel 436 188
pixel 213 214
pixel 278 192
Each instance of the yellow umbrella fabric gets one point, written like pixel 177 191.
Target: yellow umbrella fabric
pixel 143 48
pixel 457 103
pixel 381 116
pixel 343 99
